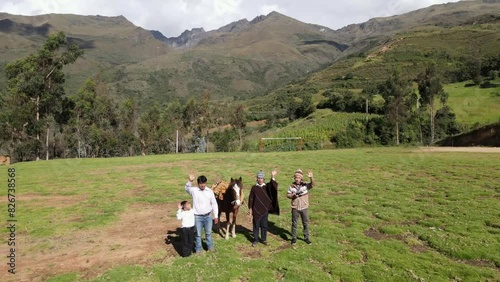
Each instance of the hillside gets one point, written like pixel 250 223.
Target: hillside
pixel 237 64
pixel 271 51
pixel 239 61
pixel 442 15
pixel 272 76
pixel 410 52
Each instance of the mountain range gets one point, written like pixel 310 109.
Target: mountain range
pixel 239 61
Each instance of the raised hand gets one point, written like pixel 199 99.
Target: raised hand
pixel 310 174
pixel 191 177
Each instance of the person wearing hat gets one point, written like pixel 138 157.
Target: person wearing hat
pixel 263 199
pixel 298 192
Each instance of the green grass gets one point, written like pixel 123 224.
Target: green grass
pixel 376 214
pixel 316 131
pixel 474 104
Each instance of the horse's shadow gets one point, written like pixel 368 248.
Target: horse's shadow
pixel 173 238
pixel 219 228
pixel 240 229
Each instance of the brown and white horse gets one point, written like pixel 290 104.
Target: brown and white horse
pixel 229 199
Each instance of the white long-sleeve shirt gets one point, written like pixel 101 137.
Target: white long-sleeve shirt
pixel 187 217
pixel 203 200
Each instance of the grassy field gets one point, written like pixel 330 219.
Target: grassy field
pixel 384 214
pixel 473 104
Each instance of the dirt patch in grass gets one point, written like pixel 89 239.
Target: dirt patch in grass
pixel 135 238
pixel 416 245
pixel 419 248
pixel 376 234
pixel 478 262
pixel 251 252
pixel 138 237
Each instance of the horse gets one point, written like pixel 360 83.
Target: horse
pixel 229 199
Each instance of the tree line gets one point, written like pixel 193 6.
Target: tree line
pixel 407 107
pixel 38 120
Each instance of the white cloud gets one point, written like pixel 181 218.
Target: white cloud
pixel 172 17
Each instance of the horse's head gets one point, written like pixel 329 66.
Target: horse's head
pixel 236 186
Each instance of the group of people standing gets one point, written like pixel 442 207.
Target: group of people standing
pixel 262 201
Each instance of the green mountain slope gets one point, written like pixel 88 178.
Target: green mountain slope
pixel 410 52
pixel 245 60
pixel 270 52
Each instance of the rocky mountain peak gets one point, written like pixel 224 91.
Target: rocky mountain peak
pixel 188 38
pixel 235 26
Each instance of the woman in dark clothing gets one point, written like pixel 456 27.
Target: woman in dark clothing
pixel 263 199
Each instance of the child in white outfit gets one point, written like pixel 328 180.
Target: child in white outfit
pixel 186 214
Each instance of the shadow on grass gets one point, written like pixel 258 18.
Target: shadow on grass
pixel 278 231
pixel 174 238
pixel 272 228
pixel 220 228
pixel 248 233
pixel 489 85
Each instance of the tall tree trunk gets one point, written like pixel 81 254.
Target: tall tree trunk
pixel 397 126
pixel 47 144
pixel 431 107
pixel 397 133
pixel 240 133
pixel 420 129
pixel 78 152
pixel 37 120
pixel 366 109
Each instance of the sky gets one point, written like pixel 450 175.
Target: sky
pixel 172 17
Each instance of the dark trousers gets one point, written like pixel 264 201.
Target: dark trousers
pixel 304 216
pixel 187 240
pixel 262 224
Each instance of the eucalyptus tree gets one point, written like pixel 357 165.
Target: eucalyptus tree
pixel 95 122
pixel 430 89
pixel 128 116
pixel 35 85
pixel 397 93
pixel 238 121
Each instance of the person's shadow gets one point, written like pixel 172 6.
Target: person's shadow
pixel 283 233
pixel 240 229
pixel 271 228
pixel 173 238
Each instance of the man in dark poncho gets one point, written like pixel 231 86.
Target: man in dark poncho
pixel 263 199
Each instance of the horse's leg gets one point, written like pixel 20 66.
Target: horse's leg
pixel 219 229
pixel 227 226
pixel 235 215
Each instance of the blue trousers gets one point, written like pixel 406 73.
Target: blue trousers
pixel 200 222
